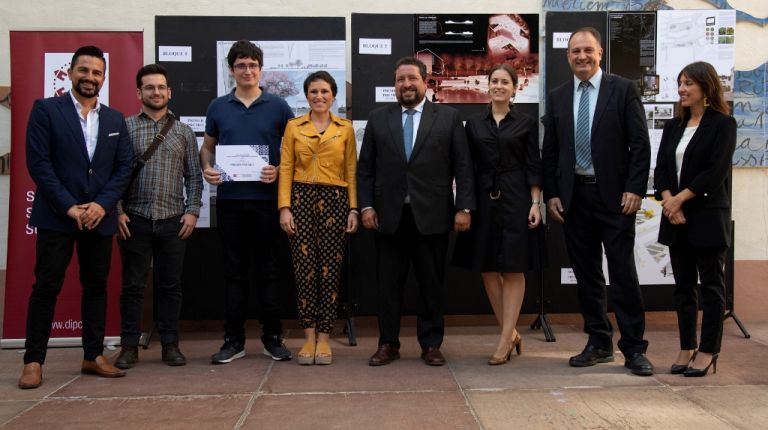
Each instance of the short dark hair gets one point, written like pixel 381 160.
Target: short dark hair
pixel 245 49
pixel 591 30
pixel 320 75
pixel 91 51
pixel 151 69
pixel 412 61
pixel 705 77
pixel 507 68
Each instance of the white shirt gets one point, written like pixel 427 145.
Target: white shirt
pixel 89 124
pixel 595 80
pixel 680 150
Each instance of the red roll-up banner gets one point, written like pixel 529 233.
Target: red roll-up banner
pixel 39 64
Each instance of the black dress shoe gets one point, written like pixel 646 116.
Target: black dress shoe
pixel 172 356
pixel 591 356
pixel 639 364
pixel 129 355
pixel 432 356
pixel 384 355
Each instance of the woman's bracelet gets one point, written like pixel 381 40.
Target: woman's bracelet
pixel 354 211
pixel 535 202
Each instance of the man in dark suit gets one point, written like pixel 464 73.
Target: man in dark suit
pixel 411 153
pixel 79 155
pixel 596 157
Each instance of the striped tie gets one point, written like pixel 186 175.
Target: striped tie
pixel 408 132
pixel 583 146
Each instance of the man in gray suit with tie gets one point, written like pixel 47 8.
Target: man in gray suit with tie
pixel 411 153
pixel 596 157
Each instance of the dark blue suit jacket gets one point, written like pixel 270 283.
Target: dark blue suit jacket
pixel 621 149
pixel 57 160
pixel 440 154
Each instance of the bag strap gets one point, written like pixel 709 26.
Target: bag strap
pixel 159 138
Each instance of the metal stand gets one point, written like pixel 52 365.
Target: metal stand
pixel 731 314
pixel 348 306
pixel 542 320
pixel 730 285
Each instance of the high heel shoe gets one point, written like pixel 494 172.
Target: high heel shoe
pixel 680 368
pixel 516 344
pixel 703 372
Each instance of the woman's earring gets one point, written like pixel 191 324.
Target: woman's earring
pixel 706 102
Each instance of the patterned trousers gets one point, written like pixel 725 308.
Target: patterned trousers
pixel 320 214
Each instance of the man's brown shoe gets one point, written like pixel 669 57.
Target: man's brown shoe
pixel 100 366
pixel 384 355
pixel 432 356
pixel 31 376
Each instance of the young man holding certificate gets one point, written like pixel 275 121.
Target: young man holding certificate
pixel 243 128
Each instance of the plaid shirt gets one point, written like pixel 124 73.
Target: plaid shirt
pixel 157 193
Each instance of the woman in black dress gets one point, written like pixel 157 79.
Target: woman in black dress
pixel 691 180
pixel 505 152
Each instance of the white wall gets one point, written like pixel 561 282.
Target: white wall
pixel 750 184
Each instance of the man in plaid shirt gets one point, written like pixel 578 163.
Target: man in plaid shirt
pixel 155 220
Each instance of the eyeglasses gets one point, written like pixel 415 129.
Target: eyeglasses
pixel 152 88
pixel 249 66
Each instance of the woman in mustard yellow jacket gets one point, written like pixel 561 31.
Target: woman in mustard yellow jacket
pixel 317 198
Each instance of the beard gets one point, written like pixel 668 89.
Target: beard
pixel 162 104
pixel 409 98
pixel 88 93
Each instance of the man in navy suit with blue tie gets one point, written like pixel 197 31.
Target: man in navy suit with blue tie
pixel 596 157
pixel 79 155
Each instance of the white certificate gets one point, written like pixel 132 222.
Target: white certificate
pixel 241 162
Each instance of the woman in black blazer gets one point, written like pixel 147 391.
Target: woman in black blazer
pixel 691 180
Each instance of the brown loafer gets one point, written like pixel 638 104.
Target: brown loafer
pixel 432 356
pixel 31 376
pixel 100 366
pixel 384 355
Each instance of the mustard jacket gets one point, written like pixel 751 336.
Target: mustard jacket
pixel 313 158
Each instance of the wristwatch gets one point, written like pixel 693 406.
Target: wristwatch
pixel 466 211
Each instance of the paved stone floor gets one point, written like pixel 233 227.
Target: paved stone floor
pixel 537 390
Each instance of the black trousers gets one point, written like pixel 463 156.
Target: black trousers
pixel 709 264
pixel 249 231
pixel 396 253
pixel 150 240
pixel 590 226
pixel 53 253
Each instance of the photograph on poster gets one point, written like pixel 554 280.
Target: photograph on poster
pixel 651 257
pixel 459 50
pixel 632 48
pixel 656 115
pixel 685 36
pixel 650 85
pixel 359 126
pixel 286 65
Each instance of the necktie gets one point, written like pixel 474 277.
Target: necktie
pixel 408 133
pixel 583 146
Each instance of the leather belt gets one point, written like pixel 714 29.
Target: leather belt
pixel 586 179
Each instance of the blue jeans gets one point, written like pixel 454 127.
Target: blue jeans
pixel 158 240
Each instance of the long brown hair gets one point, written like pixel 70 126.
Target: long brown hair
pixel 705 77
